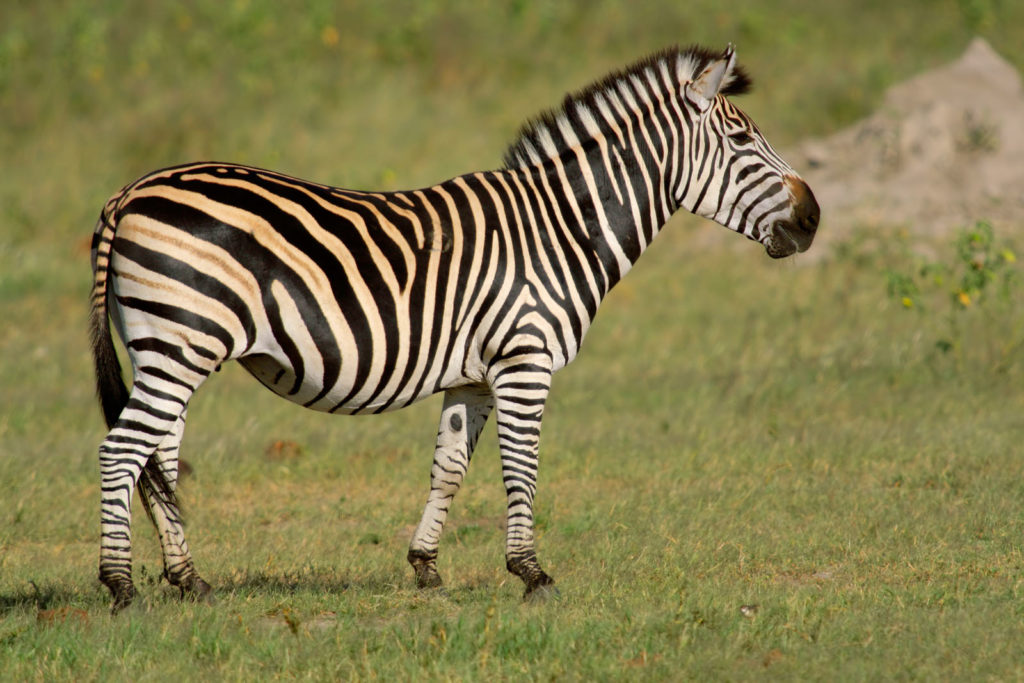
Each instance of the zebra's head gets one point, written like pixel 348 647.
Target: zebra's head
pixel 738 180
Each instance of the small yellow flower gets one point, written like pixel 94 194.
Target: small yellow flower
pixel 907 302
pixel 1009 256
pixel 330 36
pixel 964 298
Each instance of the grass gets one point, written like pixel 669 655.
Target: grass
pixel 736 431
pixel 804 453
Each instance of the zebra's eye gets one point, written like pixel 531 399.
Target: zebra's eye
pixel 741 137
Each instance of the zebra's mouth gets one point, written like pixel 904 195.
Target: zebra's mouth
pixel 786 239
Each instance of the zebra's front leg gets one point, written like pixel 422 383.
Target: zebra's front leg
pixel 157 491
pixel 462 418
pixel 521 387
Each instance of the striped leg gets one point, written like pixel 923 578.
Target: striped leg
pixel 462 418
pixel 521 388
pixel 162 508
pixel 156 406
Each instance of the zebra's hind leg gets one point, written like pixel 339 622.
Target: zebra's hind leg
pixel 157 486
pixel 462 418
pixel 154 408
pixel 521 385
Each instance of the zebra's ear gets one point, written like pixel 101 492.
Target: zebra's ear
pixel 702 89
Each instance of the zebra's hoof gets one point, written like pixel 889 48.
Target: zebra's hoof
pixel 437 592
pixel 426 569
pixel 428 579
pixel 124 596
pixel 197 590
pixel 541 592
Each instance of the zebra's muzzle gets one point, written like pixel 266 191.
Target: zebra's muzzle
pixel 787 239
pixel 796 233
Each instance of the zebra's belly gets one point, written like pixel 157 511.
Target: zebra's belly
pixel 344 397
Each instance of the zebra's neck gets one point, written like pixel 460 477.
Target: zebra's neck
pixel 611 152
pixel 609 194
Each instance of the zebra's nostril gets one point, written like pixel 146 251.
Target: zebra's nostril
pixel 805 206
pixel 809 222
pixel 813 212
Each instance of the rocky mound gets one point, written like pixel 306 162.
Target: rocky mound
pixel 946 148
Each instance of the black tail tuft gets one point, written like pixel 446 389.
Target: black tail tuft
pixel 110 386
pixel 157 488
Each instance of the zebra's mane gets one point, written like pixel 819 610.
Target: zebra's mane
pixel 539 136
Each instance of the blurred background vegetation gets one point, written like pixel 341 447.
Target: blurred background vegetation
pixel 388 95
pixel 399 93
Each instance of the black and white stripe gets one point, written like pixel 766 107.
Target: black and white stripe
pixel 480 287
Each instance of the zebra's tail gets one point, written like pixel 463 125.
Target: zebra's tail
pixel 110 386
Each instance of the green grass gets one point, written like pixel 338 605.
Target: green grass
pixel 736 431
pixel 803 452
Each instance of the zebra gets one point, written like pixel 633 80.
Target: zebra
pixel 480 287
